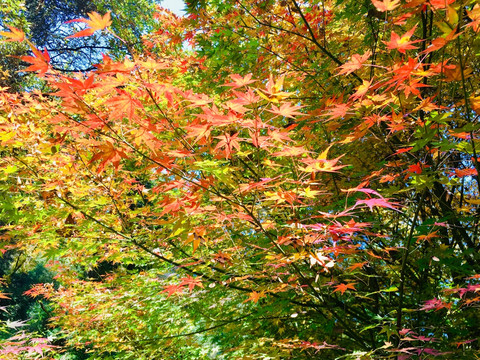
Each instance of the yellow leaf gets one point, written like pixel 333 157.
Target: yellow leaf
pixel 323 155
pixel 309 193
pixel 452 16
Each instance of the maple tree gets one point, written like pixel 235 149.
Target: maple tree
pixel 265 179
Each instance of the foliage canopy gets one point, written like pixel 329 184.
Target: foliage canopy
pixel 259 179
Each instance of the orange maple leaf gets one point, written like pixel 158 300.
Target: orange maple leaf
pixel 39 61
pixel 338 111
pixel 286 109
pixel 228 143
pixel 427 237
pixel 239 81
pixel 362 90
pixel 96 22
pixel 108 153
pixel 14 34
pixel 123 105
pixel 344 287
pixel 474 14
pixel 439 4
pixel 436 44
pixel 465 172
pixel 357 265
pixel 172 289
pixel 255 296
pixel 386 5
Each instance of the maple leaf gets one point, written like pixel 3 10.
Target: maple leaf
pixel 460 343
pixel 255 296
pixel 357 265
pixel 436 44
pixel 382 202
pixel 199 131
pixel 415 169
pixel 321 260
pixel 362 190
pixel 362 90
pixel 172 289
pixel 404 150
pixel 435 304
pixel 465 172
pixel 439 4
pixel 239 81
pixel 402 43
pixel 108 65
pixel 386 5
pixel 427 237
pixel 355 63
pixel 95 22
pixel 228 143
pixel 474 14
pixel 191 282
pixel 14 34
pixel 344 287
pixel 280 136
pixel 273 91
pixel 39 61
pixel 197 99
pixel 286 109
pixel 291 151
pixel 338 111
pixel 323 165
pixel 108 153
pixel 123 105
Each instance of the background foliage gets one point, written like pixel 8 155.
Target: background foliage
pixel 259 179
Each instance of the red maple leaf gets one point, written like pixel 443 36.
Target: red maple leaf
pixel 416 168
pixel 435 304
pixel 474 14
pixel 439 4
pixel 404 150
pixel 381 202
